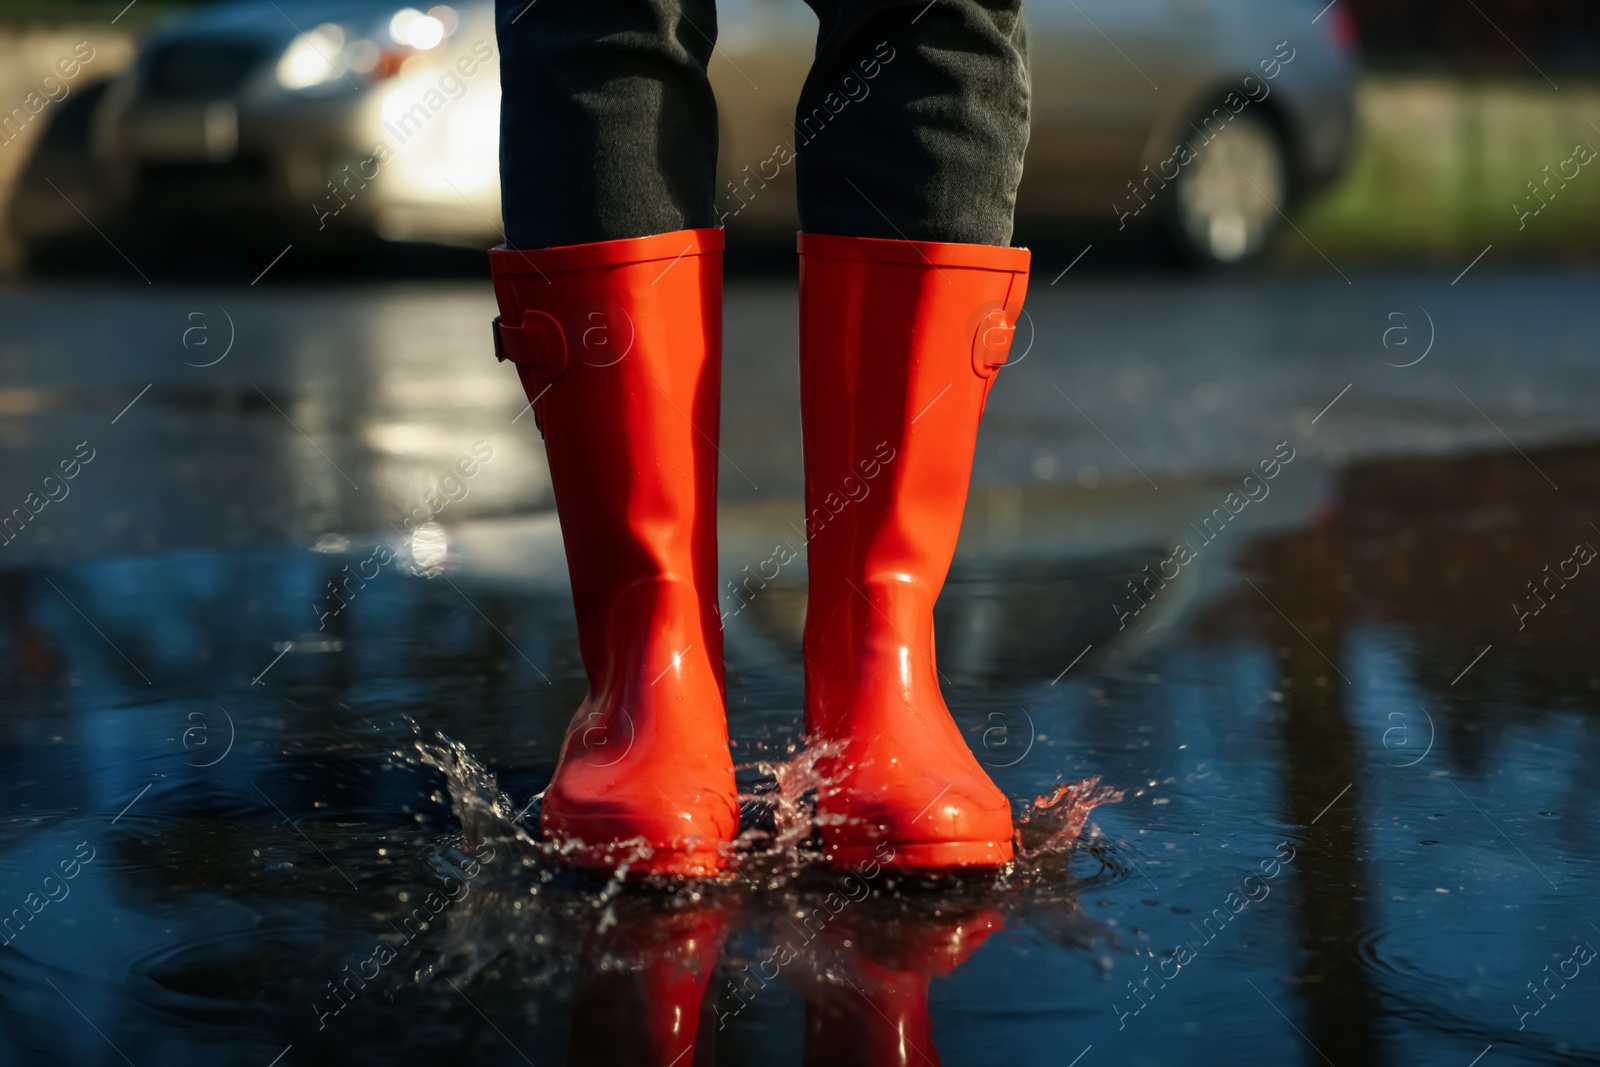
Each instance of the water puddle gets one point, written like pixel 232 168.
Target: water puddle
pixel 1354 811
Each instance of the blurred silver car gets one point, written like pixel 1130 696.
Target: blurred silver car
pixel 1211 118
pixel 349 115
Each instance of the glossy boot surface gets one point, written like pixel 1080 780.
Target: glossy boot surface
pixel 618 345
pixel 899 344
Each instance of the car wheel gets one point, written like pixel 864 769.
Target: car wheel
pixel 1226 200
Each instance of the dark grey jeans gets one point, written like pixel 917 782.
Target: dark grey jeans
pixel 608 128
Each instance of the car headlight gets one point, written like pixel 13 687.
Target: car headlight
pixel 412 28
pixel 312 58
pixel 321 56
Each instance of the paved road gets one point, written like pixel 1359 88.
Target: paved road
pixel 336 408
pixel 1387 704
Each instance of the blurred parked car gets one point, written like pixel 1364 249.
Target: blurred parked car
pixel 1118 86
pixel 1209 118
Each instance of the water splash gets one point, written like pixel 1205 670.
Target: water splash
pixel 483 809
pixel 783 804
pixel 487 813
pixel 778 843
pixel 559 925
pixel 1052 823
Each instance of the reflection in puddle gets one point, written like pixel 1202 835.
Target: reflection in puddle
pixel 859 947
pixel 1357 814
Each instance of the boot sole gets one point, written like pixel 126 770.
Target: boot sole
pixel 661 864
pixel 922 855
pixel 606 858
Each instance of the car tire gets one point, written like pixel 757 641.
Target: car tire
pixel 1227 201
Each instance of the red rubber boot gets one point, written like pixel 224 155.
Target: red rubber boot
pixel 899 344
pixel 618 345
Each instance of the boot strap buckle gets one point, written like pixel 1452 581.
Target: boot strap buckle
pixel 538 343
pixel 991 341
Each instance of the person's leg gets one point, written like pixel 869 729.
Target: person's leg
pixel 608 125
pixel 908 303
pixel 913 120
pixel 610 294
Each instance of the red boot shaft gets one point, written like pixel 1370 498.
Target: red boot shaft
pixel 899 344
pixel 618 345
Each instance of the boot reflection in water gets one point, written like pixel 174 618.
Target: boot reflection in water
pixel 640 990
pixel 871 1007
pixel 610 294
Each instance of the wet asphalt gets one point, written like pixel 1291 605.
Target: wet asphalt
pixel 225 415
pixel 1375 679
